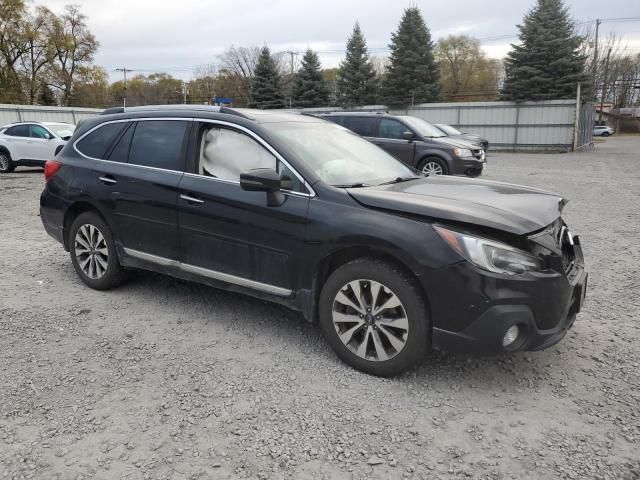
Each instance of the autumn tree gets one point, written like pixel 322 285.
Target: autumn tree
pixel 465 70
pixel 36 61
pixel 73 49
pixel 12 48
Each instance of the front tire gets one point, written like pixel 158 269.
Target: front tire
pixel 605 134
pixel 374 317
pixel 6 165
pixel 93 252
pixel 433 166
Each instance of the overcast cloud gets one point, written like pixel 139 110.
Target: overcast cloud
pixel 175 37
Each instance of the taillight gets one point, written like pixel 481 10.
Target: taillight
pixel 51 167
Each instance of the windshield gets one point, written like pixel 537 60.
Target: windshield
pixel 422 128
pixel 448 129
pixel 338 156
pixel 63 131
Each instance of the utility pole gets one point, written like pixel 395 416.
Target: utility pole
pixel 595 50
pixel 291 54
pixel 124 71
pixel 604 85
pixel 576 126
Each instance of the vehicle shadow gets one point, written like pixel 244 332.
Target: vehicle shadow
pixel 261 319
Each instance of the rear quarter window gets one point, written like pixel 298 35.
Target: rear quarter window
pixel 96 143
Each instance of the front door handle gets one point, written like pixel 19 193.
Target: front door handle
pixel 191 200
pixel 107 180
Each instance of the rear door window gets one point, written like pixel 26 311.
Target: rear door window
pixel 159 144
pixel 96 144
pixel 365 126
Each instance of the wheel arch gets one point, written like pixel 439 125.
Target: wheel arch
pixel 73 211
pixel 447 161
pixel 335 259
pixel 4 148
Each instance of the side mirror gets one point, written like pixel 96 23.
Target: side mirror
pixel 264 180
pixel 408 135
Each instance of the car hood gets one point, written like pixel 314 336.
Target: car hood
pixel 510 208
pixel 454 142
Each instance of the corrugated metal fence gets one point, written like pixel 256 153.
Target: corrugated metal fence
pixel 24 113
pixel 535 126
pixel 547 125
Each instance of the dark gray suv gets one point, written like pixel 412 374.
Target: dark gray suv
pixel 415 142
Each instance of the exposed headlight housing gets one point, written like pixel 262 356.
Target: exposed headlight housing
pixel 462 152
pixel 490 255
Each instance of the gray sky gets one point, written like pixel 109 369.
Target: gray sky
pixel 175 37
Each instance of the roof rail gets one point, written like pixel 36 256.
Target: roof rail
pixel 177 106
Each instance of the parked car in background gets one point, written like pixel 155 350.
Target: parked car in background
pixel 453 132
pixel 602 131
pixel 299 211
pixel 415 142
pixel 31 144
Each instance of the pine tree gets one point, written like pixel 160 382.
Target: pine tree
pixel 310 88
pixel 266 90
pixel 412 75
pixel 357 82
pixel 46 96
pixel 547 64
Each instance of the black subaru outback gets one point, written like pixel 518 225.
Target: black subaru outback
pixel 300 211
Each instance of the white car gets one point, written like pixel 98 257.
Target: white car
pixel 602 131
pixel 31 144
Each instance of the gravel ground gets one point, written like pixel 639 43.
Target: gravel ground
pixel 164 379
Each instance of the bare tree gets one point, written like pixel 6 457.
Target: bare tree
pixel 73 48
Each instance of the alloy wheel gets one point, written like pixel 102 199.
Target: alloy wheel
pixel 91 251
pixel 370 320
pixel 432 168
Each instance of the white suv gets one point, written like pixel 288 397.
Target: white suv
pixel 602 131
pixel 31 143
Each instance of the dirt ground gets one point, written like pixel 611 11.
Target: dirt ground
pixel 164 379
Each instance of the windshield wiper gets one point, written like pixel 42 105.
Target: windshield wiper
pixel 399 180
pixel 352 185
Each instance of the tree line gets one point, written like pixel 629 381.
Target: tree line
pixel 48 59
pixel 43 56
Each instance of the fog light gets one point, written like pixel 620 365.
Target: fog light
pixel 510 336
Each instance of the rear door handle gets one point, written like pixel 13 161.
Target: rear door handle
pixel 107 180
pixel 191 200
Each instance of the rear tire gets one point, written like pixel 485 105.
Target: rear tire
pixel 6 165
pixel 93 252
pixel 605 134
pixel 433 166
pixel 389 338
